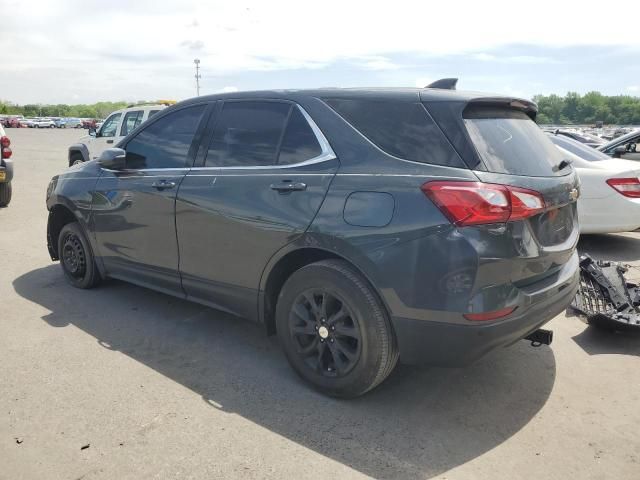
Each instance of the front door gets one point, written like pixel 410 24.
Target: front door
pixel 265 175
pixel 106 137
pixel 134 209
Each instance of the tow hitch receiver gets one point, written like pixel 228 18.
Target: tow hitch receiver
pixel 540 337
pixel 605 298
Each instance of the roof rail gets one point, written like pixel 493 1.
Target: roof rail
pixel 444 84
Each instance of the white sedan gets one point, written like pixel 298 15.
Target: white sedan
pixel 609 188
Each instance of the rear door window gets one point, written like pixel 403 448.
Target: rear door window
pixel 131 121
pixel 508 141
pixel 402 129
pixel 299 142
pixel 247 133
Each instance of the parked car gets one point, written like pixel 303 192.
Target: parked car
pixel 610 188
pixel 45 123
pixel 28 122
pixel 582 137
pixel 71 123
pixel 118 125
pixel 12 122
pixel 359 225
pixel 625 147
pixel 6 168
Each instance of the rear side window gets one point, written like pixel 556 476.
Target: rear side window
pixel 299 142
pixel 152 113
pixel 131 121
pixel 165 143
pixel 401 129
pixel 247 133
pixel 508 141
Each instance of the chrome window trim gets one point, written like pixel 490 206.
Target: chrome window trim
pixel 326 152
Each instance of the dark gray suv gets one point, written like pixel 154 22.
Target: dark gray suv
pixel 360 225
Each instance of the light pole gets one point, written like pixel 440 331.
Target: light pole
pixel 198 76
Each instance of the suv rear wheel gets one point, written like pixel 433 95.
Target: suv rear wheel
pixel 76 258
pixel 334 330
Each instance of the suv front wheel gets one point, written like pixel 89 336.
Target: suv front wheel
pixel 334 331
pixel 76 258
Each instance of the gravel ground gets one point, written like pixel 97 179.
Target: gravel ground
pixel 122 382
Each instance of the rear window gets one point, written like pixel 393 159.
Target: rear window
pixel 508 141
pixel 402 129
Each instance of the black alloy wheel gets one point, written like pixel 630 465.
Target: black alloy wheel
pixel 325 332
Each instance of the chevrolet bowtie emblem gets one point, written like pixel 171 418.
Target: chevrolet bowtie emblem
pixel 574 194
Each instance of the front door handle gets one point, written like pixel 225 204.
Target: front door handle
pixel 110 141
pixel 163 184
pixel 287 186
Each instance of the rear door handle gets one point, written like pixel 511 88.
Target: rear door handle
pixel 163 184
pixel 285 187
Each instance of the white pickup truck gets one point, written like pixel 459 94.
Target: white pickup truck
pixel 117 126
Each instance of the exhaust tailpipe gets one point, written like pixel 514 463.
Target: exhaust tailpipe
pixel 540 337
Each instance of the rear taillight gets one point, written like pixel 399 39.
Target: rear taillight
pixel 477 203
pixel 4 146
pixel 629 187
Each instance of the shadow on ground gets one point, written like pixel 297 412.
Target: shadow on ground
pixel 597 341
pixel 420 422
pixel 618 248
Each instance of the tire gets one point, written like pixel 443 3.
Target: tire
pixel 76 158
pixel 76 257
pixel 5 194
pixel 334 330
pixel 52 126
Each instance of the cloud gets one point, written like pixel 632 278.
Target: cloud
pixel 193 45
pixel 633 88
pixel 228 89
pixel 523 59
pixel 142 43
pixel 376 62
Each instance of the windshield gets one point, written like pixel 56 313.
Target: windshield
pixel 583 151
pixel 508 141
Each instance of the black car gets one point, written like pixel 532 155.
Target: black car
pixel 360 225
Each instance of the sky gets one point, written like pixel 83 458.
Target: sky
pixel 69 51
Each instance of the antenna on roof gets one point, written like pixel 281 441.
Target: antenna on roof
pixel 444 84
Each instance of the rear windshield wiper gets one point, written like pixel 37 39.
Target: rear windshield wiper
pixel 563 164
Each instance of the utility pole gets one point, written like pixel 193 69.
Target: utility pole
pixel 198 76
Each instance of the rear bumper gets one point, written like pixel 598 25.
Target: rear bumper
pixel 454 344
pixel 7 168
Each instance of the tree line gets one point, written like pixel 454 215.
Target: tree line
pixel 590 108
pixel 95 110
pixel 573 108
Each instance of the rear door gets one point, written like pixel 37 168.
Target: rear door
pixel 262 176
pixel 133 209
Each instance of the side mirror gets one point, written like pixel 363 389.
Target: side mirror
pixel 619 151
pixel 113 159
pixel 93 132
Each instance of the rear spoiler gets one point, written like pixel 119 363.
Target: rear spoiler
pixel 444 84
pixel 528 107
